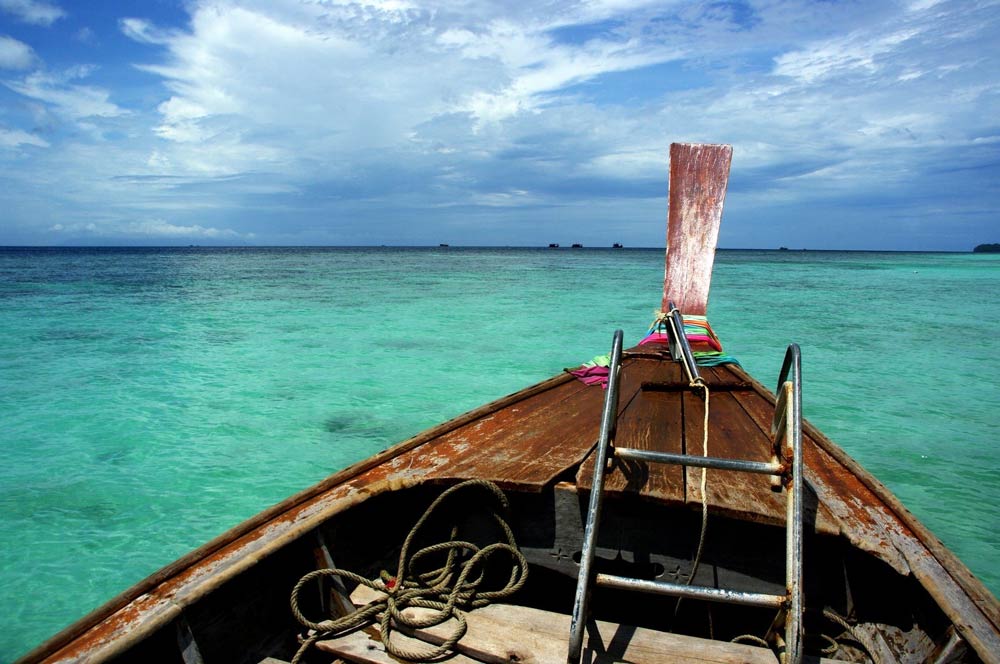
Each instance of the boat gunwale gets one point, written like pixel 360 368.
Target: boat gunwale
pixel 957 571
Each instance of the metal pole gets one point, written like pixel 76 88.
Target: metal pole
pixel 693 592
pixel 609 419
pixel 677 326
pixel 793 564
pixel 759 467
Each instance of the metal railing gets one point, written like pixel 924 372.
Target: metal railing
pixel 680 348
pixel 609 422
pixel 785 468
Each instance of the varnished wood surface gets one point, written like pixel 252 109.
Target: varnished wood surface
pixel 650 418
pixel 659 412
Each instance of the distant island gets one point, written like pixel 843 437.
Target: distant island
pixel 987 249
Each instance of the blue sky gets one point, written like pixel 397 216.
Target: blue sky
pixel 861 125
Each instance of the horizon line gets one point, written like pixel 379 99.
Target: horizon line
pixel 459 246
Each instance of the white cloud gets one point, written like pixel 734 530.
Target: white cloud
pixel 328 107
pixel 163 229
pixel 257 85
pixel 142 31
pixel 33 11
pixel 67 98
pixel 154 229
pixel 11 138
pixel 860 50
pixel 15 54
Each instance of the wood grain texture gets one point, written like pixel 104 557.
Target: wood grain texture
pixel 731 435
pixel 524 446
pixel 649 419
pixel 698 178
pixel 505 634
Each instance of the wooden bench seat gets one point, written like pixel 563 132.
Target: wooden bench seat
pixel 502 633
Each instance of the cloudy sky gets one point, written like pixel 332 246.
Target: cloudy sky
pixel 857 124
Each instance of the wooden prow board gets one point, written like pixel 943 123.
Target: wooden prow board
pixel 698 178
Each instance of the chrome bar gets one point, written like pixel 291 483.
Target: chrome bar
pixel 786 428
pixel 609 420
pixel 693 592
pixel 760 467
pixel 678 334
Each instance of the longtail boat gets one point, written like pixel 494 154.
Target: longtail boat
pixel 662 506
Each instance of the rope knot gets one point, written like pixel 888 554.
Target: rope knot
pixel 455 585
pixel 389 581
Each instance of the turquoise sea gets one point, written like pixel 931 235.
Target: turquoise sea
pixel 153 398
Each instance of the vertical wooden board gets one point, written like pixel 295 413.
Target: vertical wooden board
pixel 698 178
pixel 652 421
pixel 732 434
pixel 647 419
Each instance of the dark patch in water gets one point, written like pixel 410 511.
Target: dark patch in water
pixel 360 425
pixel 70 335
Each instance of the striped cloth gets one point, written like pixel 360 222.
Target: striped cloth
pixel 705 345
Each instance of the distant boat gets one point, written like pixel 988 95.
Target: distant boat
pixel 782 248
pixel 577 245
pixel 443 245
pixel 553 245
pixel 616 245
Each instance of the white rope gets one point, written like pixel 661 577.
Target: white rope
pixel 704 484
pixel 698 382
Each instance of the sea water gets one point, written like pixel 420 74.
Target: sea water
pixel 153 398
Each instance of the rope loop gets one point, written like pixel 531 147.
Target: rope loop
pixel 446 589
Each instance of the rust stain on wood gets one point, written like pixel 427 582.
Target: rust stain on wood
pixel 527 448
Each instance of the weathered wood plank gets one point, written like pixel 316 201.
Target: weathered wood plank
pixel 844 505
pixel 526 445
pixel 698 178
pixel 731 435
pixel 505 634
pixel 648 420
pixel 652 421
pixel 365 647
pixel 721 377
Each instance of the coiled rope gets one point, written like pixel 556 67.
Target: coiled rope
pixel 455 585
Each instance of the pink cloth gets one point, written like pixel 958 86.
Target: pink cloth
pixel 655 338
pixel 661 338
pixel 592 375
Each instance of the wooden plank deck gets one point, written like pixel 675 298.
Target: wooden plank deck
pixel 650 418
pixel 524 445
pixel 506 633
pixel 659 412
